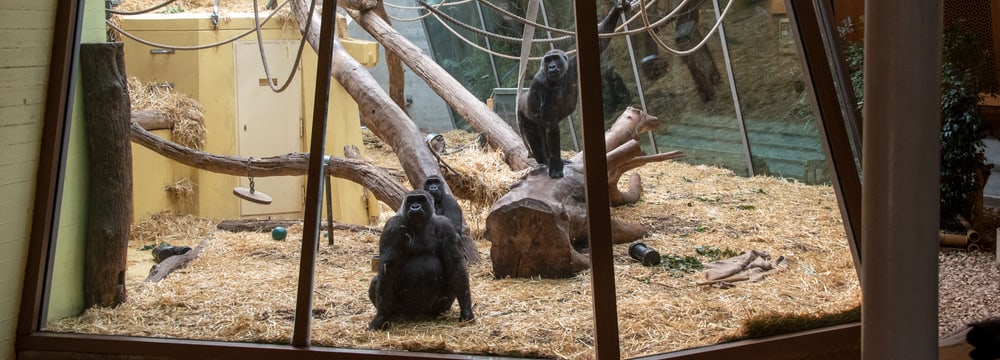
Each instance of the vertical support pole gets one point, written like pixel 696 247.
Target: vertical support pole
pixel 602 271
pixel 314 185
pixel 900 200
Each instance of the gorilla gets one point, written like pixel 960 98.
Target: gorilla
pixel 420 269
pixel 444 203
pixel 552 96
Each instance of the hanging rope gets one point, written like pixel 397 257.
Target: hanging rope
pixel 263 55
pixel 421 17
pixel 440 14
pixel 659 42
pixel 196 47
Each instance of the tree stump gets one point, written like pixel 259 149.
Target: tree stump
pixel 539 228
pixel 107 112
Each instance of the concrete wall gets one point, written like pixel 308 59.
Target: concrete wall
pixel 428 111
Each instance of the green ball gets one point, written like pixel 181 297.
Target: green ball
pixel 279 233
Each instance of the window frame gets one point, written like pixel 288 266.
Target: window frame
pixel 32 342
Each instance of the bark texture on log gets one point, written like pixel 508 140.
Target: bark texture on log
pixel 384 186
pixel 265 225
pixel 107 112
pixel 394 65
pixel 499 134
pixel 160 271
pixel 537 228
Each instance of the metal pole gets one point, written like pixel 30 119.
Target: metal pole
pixel 638 82
pixel 732 88
pixel 900 199
pixel 314 185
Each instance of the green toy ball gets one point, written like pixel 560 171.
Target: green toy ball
pixel 279 233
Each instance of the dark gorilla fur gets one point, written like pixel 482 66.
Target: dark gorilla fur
pixel 552 96
pixel 444 203
pixel 420 270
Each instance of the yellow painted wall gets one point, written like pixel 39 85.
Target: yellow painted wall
pixel 343 127
pixel 24 55
pixel 67 270
pixel 208 76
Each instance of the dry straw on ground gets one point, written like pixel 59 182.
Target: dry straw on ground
pixel 242 286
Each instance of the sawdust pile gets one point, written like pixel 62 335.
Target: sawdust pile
pixel 242 286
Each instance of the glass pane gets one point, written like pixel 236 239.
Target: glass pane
pixel 675 290
pixel 781 128
pixel 690 94
pixel 185 277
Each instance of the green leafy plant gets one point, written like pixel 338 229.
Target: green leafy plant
pixel 963 62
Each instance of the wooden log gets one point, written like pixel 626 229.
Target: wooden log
pixel 160 271
pixel 499 134
pixel 383 185
pixel 152 120
pixel 107 113
pixel 265 225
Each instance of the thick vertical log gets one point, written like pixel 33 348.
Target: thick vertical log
pixel 107 113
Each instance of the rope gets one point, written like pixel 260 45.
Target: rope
pixel 661 44
pixel 197 47
pixel 488 51
pixel 421 17
pixel 263 56
pixel 143 11
pixel 524 21
pixel 438 14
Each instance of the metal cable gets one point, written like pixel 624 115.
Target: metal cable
pixel 196 47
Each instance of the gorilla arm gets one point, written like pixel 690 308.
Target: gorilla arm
pixel 455 271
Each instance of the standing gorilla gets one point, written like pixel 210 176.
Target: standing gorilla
pixel 420 270
pixel 552 96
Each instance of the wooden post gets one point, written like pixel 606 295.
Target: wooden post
pixel 107 113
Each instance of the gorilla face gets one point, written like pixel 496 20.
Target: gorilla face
pixel 433 186
pixel 417 208
pixel 555 64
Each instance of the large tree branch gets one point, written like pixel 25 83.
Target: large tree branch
pixel 378 111
pixel 498 133
pixel 383 185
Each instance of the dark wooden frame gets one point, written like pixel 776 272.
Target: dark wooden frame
pixel 32 342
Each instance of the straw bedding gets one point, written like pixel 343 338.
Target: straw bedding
pixel 242 286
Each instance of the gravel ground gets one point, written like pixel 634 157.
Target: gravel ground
pixel 969 283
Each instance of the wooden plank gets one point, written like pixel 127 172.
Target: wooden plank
pixel 22 95
pixel 27 18
pixel 16 154
pixel 24 58
pixel 23 76
pixel 19 115
pixel 44 5
pixel 21 38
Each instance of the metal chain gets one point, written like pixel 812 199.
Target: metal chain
pixel 249 160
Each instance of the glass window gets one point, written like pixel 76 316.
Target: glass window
pixel 692 218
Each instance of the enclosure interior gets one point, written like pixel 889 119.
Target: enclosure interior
pixel 753 178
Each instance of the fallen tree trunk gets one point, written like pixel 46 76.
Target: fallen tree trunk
pixel 539 228
pixel 160 271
